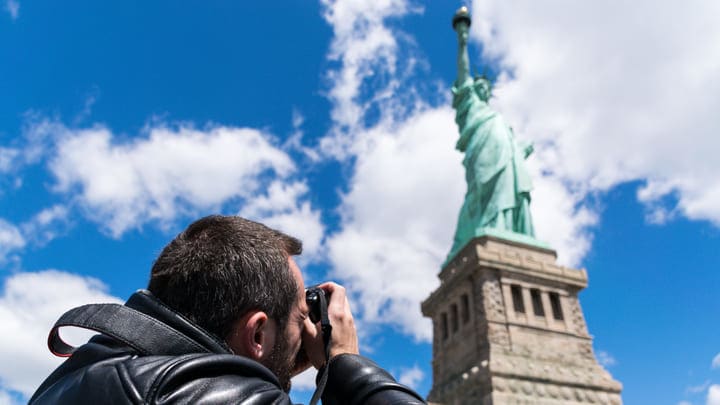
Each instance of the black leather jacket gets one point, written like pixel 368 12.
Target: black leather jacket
pixel 105 371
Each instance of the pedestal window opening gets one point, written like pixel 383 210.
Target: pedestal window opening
pixel 537 302
pixel 556 307
pixel 444 325
pixel 465 308
pixel 517 298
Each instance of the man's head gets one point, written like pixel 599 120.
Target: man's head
pixel 233 277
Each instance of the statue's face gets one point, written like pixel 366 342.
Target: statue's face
pixel 482 89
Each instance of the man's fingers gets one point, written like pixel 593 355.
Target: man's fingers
pixel 344 336
pixel 338 295
pixel 333 288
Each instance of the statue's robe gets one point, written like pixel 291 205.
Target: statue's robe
pixel 498 193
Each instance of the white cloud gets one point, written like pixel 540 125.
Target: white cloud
pixel 606 359
pixel 716 361
pixel 40 229
pixel 295 140
pixel 305 381
pixel 616 92
pixel 13 7
pixel 394 230
pixel 411 377
pixel 29 306
pixel 169 172
pixel 398 219
pixel 713 397
pixel 31 148
pixel 90 100
pixel 282 208
pixel 694 389
pixel 164 174
pixel 10 239
pixel 7 158
pixel 366 50
pixel 560 217
pixel 46 225
pixel 7 398
pixel 39 136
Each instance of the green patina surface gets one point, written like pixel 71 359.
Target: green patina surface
pixel 497 202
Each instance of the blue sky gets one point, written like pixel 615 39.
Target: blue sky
pixel 121 123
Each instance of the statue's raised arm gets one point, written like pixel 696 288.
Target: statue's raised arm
pixel 498 184
pixel 461 25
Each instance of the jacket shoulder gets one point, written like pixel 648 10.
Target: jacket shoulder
pixel 210 379
pixel 127 378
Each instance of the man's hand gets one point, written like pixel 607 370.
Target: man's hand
pixel 344 336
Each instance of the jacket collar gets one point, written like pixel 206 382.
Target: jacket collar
pixel 145 302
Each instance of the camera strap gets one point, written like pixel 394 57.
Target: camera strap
pixel 142 332
pixel 326 329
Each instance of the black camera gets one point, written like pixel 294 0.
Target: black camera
pixel 317 300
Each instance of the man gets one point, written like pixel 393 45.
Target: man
pixel 224 320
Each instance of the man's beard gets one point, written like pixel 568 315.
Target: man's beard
pixel 281 361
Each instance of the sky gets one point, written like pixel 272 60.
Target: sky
pixel 122 122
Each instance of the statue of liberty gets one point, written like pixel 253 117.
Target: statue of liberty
pixel 497 201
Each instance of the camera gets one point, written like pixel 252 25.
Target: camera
pixel 317 300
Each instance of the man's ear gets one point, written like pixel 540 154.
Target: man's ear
pixel 253 335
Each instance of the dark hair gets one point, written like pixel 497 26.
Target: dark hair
pixel 221 267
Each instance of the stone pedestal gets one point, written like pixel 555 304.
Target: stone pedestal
pixel 508 329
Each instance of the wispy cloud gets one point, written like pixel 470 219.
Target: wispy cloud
pixel 47 224
pixel 11 239
pixel 8 157
pixel 606 359
pixel 13 7
pixel 694 389
pixel 411 376
pixel 365 49
pixel 40 229
pixel 295 140
pixel 284 207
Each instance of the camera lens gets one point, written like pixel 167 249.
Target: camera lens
pixel 312 298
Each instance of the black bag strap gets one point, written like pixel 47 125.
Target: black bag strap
pixel 327 333
pixel 142 332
